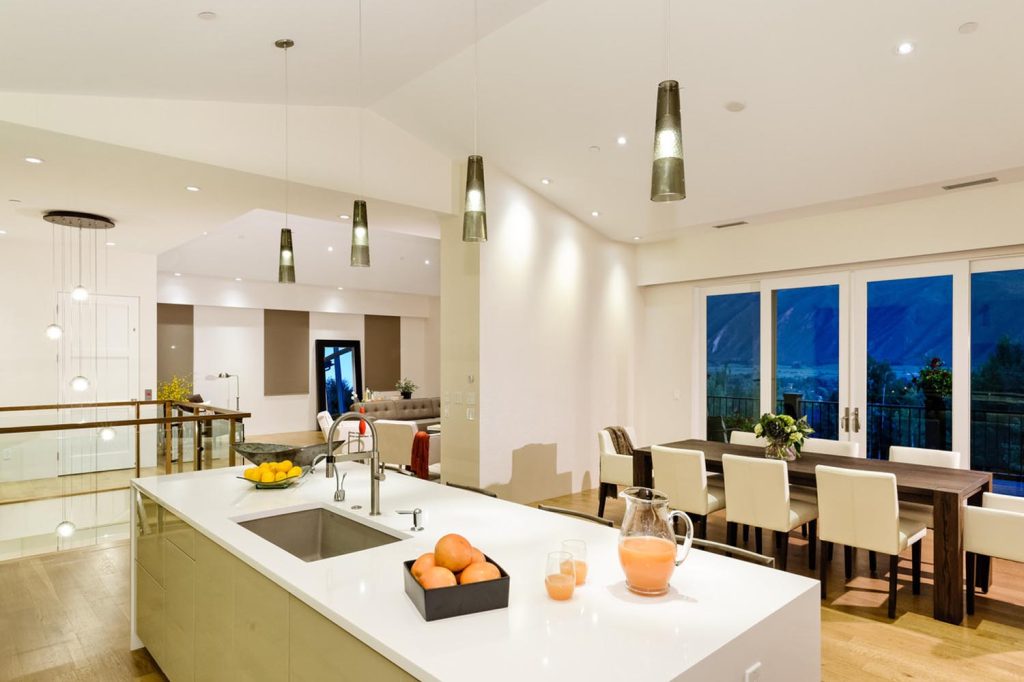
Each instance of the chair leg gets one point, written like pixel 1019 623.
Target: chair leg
pixel 812 544
pixel 746 533
pixel 602 492
pixel 972 561
pixel 803 530
pixel 915 553
pixel 730 533
pixel 831 547
pixel 823 569
pixel 848 560
pixel 758 544
pixel 894 564
pixel 782 549
pixel 873 563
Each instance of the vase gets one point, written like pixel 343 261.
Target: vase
pixel 780 451
pixel 406 395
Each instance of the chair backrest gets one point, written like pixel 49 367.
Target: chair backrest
pixel 732 552
pixel 325 420
pixel 824 446
pixel 682 476
pixel 858 508
pixel 933 458
pixel 996 528
pixel 604 441
pixel 746 438
pixel 757 491
pixel 1009 503
pixel 394 441
pixel 716 429
pixel 577 514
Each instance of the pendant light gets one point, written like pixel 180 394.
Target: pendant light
pixel 668 178
pixel 360 256
pixel 286 255
pixel 474 219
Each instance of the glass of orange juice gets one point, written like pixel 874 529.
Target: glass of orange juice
pixel 560 576
pixel 578 549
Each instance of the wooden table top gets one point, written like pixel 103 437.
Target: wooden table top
pixel 913 481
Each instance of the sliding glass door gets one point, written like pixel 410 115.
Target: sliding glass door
pixel 733 360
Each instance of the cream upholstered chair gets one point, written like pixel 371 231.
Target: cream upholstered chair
pixel 994 529
pixel 825 446
pixel 746 438
pixel 757 494
pixel 616 469
pixel 946 459
pixel 861 509
pixel 682 475
pixel 395 443
pixel 324 419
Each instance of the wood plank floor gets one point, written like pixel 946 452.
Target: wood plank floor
pixel 859 643
pixel 65 617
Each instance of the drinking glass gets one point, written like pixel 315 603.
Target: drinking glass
pixel 578 550
pixel 560 576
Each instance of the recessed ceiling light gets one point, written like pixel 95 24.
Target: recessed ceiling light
pixel 735 107
pixel 904 48
pixel 969 27
pixel 192 188
pixel 177 274
pixel 426 262
pixel 3 231
pixel 330 248
pixel 595 213
pixel 545 181
pixel 621 139
pixel 341 288
pixel 238 279
pixel 344 216
pixel 207 16
pixel 205 233
pixel 173 347
pixel 33 159
pixel 636 239
pixel 110 244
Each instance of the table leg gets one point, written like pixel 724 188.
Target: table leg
pixel 643 474
pixel 949 558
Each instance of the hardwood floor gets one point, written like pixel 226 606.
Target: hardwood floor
pixel 858 641
pixel 65 617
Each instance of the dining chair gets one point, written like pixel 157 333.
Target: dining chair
pixel 471 489
pixel 576 514
pixel 757 494
pixel 827 446
pixel 746 438
pixel 731 552
pixel 946 459
pixel 615 469
pixel 683 476
pixel 860 509
pixel 995 529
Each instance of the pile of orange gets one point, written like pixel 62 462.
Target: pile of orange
pixel 453 562
pixel 272 472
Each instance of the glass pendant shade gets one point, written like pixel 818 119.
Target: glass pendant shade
pixel 360 236
pixel 80 294
pixel 79 384
pixel 474 220
pixel 668 180
pixel 54 331
pixel 107 433
pixel 65 529
pixel 286 264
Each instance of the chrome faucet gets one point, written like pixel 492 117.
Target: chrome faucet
pixel 376 472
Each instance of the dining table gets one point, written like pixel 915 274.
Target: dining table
pixel 946 490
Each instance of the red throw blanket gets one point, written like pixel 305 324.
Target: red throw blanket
pixel 421 455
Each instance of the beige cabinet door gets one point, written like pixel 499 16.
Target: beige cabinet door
pixel 260 628
pixel 179 614
pixel 215 612
pixel 148 538
pixel 149 612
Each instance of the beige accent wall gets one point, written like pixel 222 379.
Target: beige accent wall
pixel 174 341
pixel 382 352
pixel 286 355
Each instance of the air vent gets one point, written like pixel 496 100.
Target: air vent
pixel 972 183
pixel 735 224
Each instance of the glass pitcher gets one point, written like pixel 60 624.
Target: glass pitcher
pixel 647 543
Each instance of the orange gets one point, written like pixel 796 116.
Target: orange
pixel 422 565
pixel 437 577
pixel 478 556
pixel 476 573
pixel 453 552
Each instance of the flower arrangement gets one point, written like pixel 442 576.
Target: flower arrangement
pixel 178 388
pixel 785 435
pixel 935 379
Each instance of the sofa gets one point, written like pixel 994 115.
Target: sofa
pixel 423 412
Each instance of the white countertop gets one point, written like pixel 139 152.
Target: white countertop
pixel 603 632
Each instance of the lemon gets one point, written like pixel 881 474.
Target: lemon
pixel 285 465
pixel 252 474
pixel 267 477
pixel 294 471
pixel 264 466
pixel 280 476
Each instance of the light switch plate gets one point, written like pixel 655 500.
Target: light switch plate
pixel 471 398
pixel 753 673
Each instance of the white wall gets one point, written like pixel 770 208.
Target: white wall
pixel 558 321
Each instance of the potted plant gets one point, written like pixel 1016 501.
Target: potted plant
pixel 785 435
pixel 935 381
pixel 406 387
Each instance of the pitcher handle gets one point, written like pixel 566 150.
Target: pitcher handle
pixel 689 533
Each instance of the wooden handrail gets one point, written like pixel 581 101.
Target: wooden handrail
pixel 68 406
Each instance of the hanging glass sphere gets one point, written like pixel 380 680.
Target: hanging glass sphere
pixel 107 433
pixel 79 384
pixel 54 331
pixel 65 529
pixel 80 294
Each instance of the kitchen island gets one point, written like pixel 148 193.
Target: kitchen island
pixel 208 592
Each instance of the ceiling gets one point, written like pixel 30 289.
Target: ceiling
pixel 833 114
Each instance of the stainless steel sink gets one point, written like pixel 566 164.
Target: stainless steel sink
pixel 314 534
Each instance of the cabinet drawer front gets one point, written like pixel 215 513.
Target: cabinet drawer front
pixel 179 615
pixel 179 533
pixel 260 627
pixel 148 540
pixel 215 608
pixel 149 612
